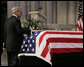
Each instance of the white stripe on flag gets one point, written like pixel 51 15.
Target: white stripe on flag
pixel 81 22
pixel 43 43
pixel 66 45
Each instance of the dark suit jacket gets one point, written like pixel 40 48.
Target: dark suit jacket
pixel 13 34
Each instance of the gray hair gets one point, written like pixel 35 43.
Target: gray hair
pixel 15 9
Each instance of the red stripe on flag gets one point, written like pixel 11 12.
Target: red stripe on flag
pixel 71 33
pixel 61 40
pixel 78 27
pixel 81 28
pixel 50 60
pixel 65 40
pixel 45 51
pixel 82 18
pixel 41 38
pixel 65 50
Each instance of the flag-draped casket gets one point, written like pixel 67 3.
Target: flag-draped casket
pixel 44 43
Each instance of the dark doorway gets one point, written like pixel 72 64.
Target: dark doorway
pixel 3 17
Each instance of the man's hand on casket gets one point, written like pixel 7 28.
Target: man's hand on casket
pixel 27 31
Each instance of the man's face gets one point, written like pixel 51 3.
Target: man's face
pixel 19 13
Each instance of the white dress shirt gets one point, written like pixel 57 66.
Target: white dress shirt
pixel 14 15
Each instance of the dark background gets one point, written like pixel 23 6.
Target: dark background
pixel 3 16
pixel 62 59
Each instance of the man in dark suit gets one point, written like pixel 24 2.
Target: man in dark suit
pixel 14 36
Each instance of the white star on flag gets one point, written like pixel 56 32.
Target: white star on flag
pixel 28 41
pixel 23 42
pixel 30 45
pixel 33 41
pixel 25 45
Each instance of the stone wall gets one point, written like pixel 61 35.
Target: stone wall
pixel 56 13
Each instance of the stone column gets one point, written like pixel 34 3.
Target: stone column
pixel 64 12
pixel 37 3
pixel 25 9
pixel 61 12
pixel 76 11
pixel 54 12
pixel 71 12
pixel 18 3
pixel 43 11
pixel 44 8
pixel 29 6
pixel 13 3
pixel 33 6
pixel 49 13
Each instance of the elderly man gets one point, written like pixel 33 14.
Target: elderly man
pixel 14 35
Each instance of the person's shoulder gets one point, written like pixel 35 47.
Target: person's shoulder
pixel 13 18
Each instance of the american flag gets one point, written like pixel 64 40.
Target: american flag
pixel 80 17
pixel 44 43
pixel 29 45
